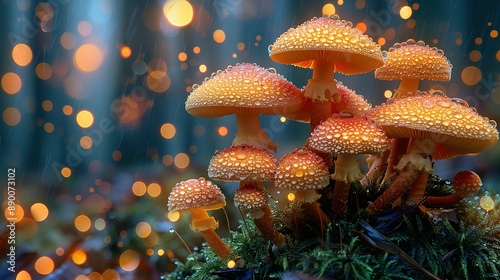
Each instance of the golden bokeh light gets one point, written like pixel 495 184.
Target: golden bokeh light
pixel 219 36
pixel 196 49
pixel 23 275
pixel 471 75
pixel 110 274
pixel 328 9
pixel 182 56
pixel 158 85
pixel 79 257
pixel 475 55
pixel 44 11
pixel 143 229
pixel 361 26
pixel 84 119
pixel 47 105
pixel 497 56
pixel 493 33
pixel 157 68
pixel 167 160
pixel 66 172
pixel 178 12
pixel 487 203
pixel 222 130
pixel 82 223
pixel 381 41
pixel 202 68
pixel 116 155
pixel 44 265
pixel 139 188
pixel 48 127
pixel 39 212
pixel 173 216
pixel 387 94
pixel 11 83
pixel 86 142
pixel 129 260
pixel 18 213
pixel 241 46
pixel 167 131
pixel 22 54
pixel 43 71
pixel 11 116
pixel 67 110
pixel 125 51
pixel 291 197
pixel 181 160
pixel 405 12
pixel 88 58
pixel 154 189
pixel 478 41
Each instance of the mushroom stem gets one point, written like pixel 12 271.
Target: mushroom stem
pixel 200 216
pixel 347 169
pixel 408 175
pixel 265 224
pixel 311 207
pixel 375 162
pixel 340 199
pixel 417 191
pixel 398 149
pixel 442 201
pixel 250 132
pixel 407 85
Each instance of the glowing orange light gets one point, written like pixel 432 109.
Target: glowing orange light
pixel 232 263
pixel 167 130
pixel 405 12
pixel 173 216
pixel 475 55
pixel 11 83
pixel 160 252
pixel 43 71
pixel 487 203
pixel 84 119
pixel 328 9
pixel 110 274
pixel 82 223
pixel 158 85
pixel 361 26
pixel 202 68
pixel 21 54
pixel 154 189
pixel 23 275
pixel 88 58
pixel 125 51
pixel 11 116
pixel 178 12
pixel 139 188
pixel 48 127
pixel 494 33
pixel 381 41
pixel 47 105
pixel 181 160
pixel 167 160
pixel 219 36
pixel 222 131
pixel 387 94
pixel 182 56
pixel 15 215
pixel 66 172
pixel 291 197
pixel 129 260
pixel 497 56
pixel 117 155
pixel 86 142
pixel 44 265
pixel 79 257
pixel 240 46
pixel 478 41
pixel 143 229
pixel 67 110
pixel 39 212
pixel 196 50
pixel 471 75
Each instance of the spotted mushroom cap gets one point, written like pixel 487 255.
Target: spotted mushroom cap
pixel 301 170
pixel 329 39
pixel 242 163
pixel 412 59
pixel 349 135
pixel 449 122
pixel 244 88
pixel 195 194
pixel 349 99
pixel 250 197
pixel 466 183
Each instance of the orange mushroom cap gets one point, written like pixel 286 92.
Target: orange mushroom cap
pixel 328 39
pixel 251 198
pixel 449 122
pixel 195 194
pixel 465 183
pixel 301 170
pixel 242 163
pixel 352 102
pixel 244 88
pixel 348 135
pixel 412 59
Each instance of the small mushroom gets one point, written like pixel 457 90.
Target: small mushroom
pixel 346 136
pixel 304 172
pixel 465 183
pixel 245 90
pixel 197 196
pixel 248 165
pixel 327 45
pixel 435 122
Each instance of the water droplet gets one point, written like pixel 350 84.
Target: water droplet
pixel 172 230
pixel 299 173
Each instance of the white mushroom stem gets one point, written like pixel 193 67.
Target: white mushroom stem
pixel 322 89
pixel 375 162
pixel 250 132
pixel 346 171
pixel 411 165
pixel 398 148
pixel 205 224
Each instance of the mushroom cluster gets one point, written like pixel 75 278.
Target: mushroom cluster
pixel 402 137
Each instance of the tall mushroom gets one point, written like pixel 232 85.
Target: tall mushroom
pixel 465 183
pixel 327 45
pixel 245 90
pixel 410 62
pixel 346 136
pixel 304 172
pixel 435 122
pixel 250 166
pixel 197 196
